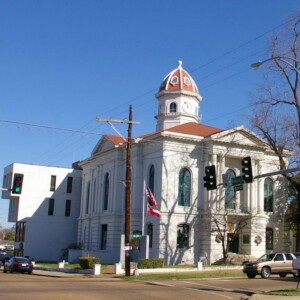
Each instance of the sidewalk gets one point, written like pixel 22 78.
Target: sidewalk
pixel 108 273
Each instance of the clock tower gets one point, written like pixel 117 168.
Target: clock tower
pixel 178 100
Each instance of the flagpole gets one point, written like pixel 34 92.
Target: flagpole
pixel 143 214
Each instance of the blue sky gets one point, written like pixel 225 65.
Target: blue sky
pixel 65 62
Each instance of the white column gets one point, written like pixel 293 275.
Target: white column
pixel 260 191
pixel 222 189
pixel 213 194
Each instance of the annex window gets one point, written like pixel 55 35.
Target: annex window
pixel 184 193
pixel 183 236
pixel 103 243
pixel 229 191
pixel 150 233
pixel 269 239
pixel 151 178
pixel 68 208
pixel 106 191
pixel 51 207
pixel 173 107
pixel 69 185
pixel 53 183
pixel 268 195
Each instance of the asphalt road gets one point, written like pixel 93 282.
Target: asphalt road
pixel 22 286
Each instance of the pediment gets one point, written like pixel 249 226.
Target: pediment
pixel 106 143
pixel 239 135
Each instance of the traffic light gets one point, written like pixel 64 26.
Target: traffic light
pixel 247 169
pixel 210 180
pixel 17 184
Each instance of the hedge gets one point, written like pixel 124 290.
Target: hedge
pixel 151 263
pixel 88 262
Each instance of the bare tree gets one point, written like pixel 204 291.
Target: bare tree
pixel 277 110
pixel 225 225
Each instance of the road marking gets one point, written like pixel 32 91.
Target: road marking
pixel 208 292
pixel 213 286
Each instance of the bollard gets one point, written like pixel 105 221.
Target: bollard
pixel 97 269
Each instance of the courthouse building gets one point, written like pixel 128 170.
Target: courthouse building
pixel 172 161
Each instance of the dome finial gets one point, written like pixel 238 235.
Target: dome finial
pixel 179 63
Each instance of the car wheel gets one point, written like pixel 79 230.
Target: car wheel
pixel 265 272
pixel 29 272
pixel 4 270
pixel 251 276
pixel 282 275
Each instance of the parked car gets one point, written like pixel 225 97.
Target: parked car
pixel 3 257
pixel 18 264
pixel 275 263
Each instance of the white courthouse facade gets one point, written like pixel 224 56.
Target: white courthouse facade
pixel 171 161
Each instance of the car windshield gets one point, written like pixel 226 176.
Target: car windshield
pixel 266 257
pixel 21 259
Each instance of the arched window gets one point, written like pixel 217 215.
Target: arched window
pixel 183 236
pixel 150 233
pixel 184 193
pixel 87 201
pixel 269 238
pixel 151 178
pixel 229 191
pixel 173 107
pixel 268 195
pixel 106 191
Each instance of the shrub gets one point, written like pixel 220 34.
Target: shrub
pixel 151 263
pixel 88 262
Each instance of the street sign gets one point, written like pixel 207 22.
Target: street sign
pixel 238 187
pixel 127 248
pixel 237 180
pixel 137 234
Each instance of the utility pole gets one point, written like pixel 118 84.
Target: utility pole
pixel 127 184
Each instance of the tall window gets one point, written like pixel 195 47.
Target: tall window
pixel 51 207
pixel 173 107
pixel 269 239
pixel 69 185
pixel 106 191
pixel 184 193
pixel 87 198
pixel 268 195
pixel 183 236
pixel 68 208
pixel 229 192
pixel 53 183
pixel 151 179
pixel 103 237
pixel 150 233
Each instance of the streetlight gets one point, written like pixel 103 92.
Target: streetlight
pixel 257 64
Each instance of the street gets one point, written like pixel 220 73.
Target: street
pixel 22 286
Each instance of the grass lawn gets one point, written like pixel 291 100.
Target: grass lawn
pixel 290 292
pixel 187 275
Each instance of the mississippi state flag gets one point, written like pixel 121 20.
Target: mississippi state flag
pixel 152 207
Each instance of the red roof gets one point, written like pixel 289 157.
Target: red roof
pixel 190 128
pixel 114 139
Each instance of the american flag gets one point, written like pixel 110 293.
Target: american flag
pixel 152 206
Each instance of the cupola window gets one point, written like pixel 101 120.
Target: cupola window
pixel 174 80
pixel 173 107
pixel 187 81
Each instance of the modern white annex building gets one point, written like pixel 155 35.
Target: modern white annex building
pixel 171 161
pixel 46 209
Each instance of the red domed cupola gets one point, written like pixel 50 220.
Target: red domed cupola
pixel 179 80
